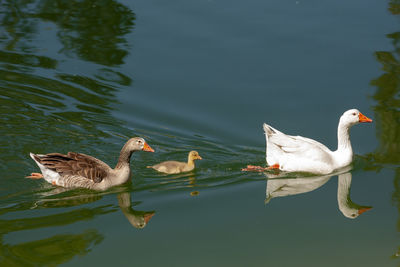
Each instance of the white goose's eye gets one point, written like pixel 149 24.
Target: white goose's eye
pixel 354 114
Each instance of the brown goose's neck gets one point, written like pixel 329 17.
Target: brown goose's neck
pixel 124 158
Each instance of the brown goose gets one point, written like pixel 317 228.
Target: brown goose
pixel 76 170
pixel 172 167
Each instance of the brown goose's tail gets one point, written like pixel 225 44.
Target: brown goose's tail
pixel 35 175
pixel 35 157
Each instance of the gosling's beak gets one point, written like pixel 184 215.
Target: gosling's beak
pixel 198 157
pixel 146 147
pixel 363 118
pixel 364 210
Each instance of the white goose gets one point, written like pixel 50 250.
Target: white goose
pixel 300 154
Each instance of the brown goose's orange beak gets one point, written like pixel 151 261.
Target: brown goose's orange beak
pixel 363 118
pixel 363 210
pixel 147 217
pixel 146 147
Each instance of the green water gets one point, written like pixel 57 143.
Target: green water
pixel 85 76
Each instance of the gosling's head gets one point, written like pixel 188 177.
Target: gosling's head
pixel 193 155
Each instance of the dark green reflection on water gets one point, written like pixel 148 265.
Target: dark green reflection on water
pixel 42 107
pixel 56 96
pixel 60 248
pixel 93 30
pixel 50 251
pixel 387 96
pixel 56 249
pixel 387 111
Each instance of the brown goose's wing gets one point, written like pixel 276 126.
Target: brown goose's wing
pixel 76 164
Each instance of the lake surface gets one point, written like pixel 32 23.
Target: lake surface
pixel 86 75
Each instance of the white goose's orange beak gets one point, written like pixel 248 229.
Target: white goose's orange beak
pixel 147 148
pixel 148 216
pixel 363 118
pixel 360 211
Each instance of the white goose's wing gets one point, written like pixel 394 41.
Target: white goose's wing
pixel 280 145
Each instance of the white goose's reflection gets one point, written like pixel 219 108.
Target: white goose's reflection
pixel 346 205
pixel 278 187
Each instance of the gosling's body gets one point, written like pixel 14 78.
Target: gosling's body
pixel 174 167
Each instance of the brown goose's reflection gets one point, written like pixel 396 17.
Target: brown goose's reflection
pixel 277 187
pixel 138 219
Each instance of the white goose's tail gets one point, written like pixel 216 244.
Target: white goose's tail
pixel 270 147
pixel 268 129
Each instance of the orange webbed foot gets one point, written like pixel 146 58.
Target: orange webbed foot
pixel 274 167
pixel 252 168
pixel 35 175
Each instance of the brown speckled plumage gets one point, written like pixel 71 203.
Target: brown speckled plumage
pixel 75 164
pixel 80 170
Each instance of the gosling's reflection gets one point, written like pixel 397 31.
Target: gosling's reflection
pixel 138 219
pixel 277 187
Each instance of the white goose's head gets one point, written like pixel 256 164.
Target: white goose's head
pixel 353 212
pixel 352 117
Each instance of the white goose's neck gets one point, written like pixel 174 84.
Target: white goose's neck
pixel 346 206
pixel 344 152
pixel 343 192
pixel 344 144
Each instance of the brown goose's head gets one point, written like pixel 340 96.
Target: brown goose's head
pixel 138 143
